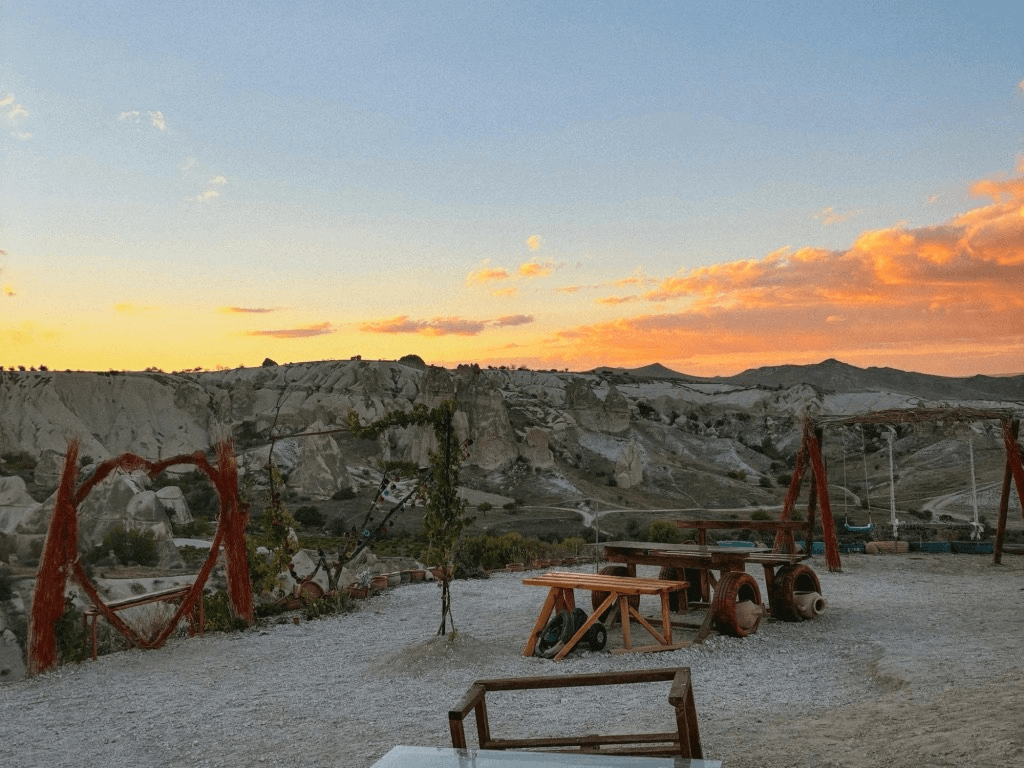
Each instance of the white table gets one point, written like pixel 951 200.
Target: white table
pixel 446 757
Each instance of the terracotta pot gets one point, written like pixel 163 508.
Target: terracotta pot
pixel 515 567
pixel 418 574
pixel 379 582
pixel 359 593
pixel 437 571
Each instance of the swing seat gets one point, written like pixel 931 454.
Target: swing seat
pixel 859 528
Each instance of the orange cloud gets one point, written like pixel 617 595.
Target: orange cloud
pixel 440 326
pixel 615 300
pixel 536 269
pixel 510 320
pixel 9 290
pixel 487 275
pixel 296 333
pixel 533 242
pixel 504 292
pixel 247 310
pixel 942 297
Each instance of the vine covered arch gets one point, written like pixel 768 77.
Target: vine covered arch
pixel 60 560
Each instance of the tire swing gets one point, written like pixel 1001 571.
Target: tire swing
pixel 795 593
pixel 737 604
pixel 596 598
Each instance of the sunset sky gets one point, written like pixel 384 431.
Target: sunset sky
pixel 712 186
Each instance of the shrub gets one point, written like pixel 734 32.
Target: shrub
pixel 665 532
pixel 344 494
pixel 765 482
pixel 484 506
pixel 760 514
pixel 309 517
pixel 736 474
pixel 218 614
pixel 137 547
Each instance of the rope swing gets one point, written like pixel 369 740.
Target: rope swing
pixel 977 529
pixel 891 436
pixel 867 495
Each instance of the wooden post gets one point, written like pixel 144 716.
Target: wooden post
pixel 1014 469
pixel 827 523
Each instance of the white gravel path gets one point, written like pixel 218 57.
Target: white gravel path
pixel 900 633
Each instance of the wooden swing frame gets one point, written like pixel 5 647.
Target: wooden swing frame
pixel 809 456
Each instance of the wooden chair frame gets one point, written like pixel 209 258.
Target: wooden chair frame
pixel 684 741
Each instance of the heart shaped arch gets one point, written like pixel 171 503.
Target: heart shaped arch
pixel 60 560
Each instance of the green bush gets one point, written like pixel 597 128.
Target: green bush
pixel 309 517
pixel 137 547
pixel 218 615
pixel 760 514
pixel 484 506
pixel 665 532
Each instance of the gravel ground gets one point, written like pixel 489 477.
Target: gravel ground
pixel 917 661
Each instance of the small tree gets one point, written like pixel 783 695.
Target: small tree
pixel 445 518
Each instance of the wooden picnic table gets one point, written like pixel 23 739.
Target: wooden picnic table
pixel 697 564
pixel 173 595
pixel 617 590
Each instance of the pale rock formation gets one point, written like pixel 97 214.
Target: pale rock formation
pixel 15 503
pixel 629 469
pixel 610 415
pixel 535 448
pixel 320 471
pixel 173 501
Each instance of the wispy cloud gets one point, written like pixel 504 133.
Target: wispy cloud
pixel 534 242
pixel 13 115
pixel 830 216
pixel 535 268
pixel 487 274
pixel 320 329
pixel 154 118
pixel 513 320
pixel 248 310
pixel 615 300
pixel 212 191
pixel 438 326
pixel 504 292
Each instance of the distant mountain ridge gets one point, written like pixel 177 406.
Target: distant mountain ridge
pixel 837 376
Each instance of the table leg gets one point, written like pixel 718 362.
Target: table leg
pixel 666 618
pixel 627 641
pixel 542 620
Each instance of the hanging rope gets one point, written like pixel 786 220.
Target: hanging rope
pixel 864 456
pixel 977 529
pixel 891 436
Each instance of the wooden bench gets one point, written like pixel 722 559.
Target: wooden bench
pixel 619 589
pixel 683 742
pixel 173 595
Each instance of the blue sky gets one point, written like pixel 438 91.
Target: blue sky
pixel 203 184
